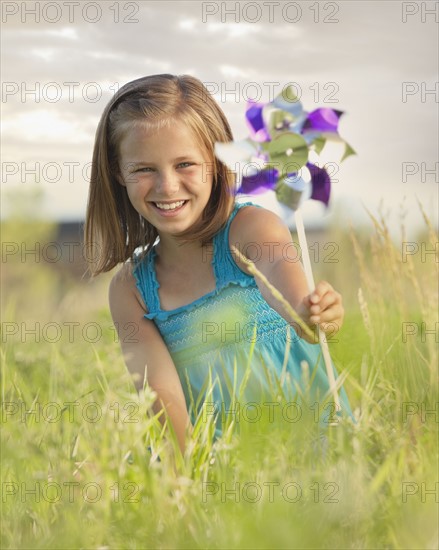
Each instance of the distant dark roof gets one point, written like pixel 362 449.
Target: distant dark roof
pixel 69 230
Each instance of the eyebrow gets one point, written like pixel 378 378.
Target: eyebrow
pixel 178 159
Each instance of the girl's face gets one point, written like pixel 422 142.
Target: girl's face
pixel 167 175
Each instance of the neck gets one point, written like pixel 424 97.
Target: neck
pixel 173 252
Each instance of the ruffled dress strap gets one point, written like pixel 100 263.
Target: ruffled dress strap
pixel 146 281
pixel 224 265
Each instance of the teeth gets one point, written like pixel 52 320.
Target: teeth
pixel 171 206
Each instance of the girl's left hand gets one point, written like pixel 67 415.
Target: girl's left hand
pixel 323 307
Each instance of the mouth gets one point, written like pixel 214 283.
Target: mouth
pixel 169 207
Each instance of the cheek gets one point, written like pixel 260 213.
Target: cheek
pixel 137 184
pixel 202 181
pixel 135 192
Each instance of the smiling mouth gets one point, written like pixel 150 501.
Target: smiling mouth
pixel 169 206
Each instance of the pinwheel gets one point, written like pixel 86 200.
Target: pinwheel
pixel 276 156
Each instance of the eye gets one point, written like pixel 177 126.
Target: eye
pixel 185 164
pixel 146 169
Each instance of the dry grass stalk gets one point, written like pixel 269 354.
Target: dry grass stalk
pixel 274 292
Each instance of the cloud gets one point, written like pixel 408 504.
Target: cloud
pixel 45 126
pixel 358 54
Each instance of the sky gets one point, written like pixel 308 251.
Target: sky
pixel 375 60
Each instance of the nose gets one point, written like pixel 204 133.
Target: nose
pixel 167 183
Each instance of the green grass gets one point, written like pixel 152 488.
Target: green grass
pixel 269 485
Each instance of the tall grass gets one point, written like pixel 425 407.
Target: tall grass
pixel 265 485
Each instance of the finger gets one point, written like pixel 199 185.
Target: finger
pixel 330 299
pixel 334 314
pixel 321 289
pixel 333 318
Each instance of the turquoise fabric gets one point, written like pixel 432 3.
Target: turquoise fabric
pixel 230 336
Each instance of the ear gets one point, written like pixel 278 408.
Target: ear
pixel 119 177
pixel 120 180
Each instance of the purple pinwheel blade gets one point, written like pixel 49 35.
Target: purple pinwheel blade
pixel 323 119
pixel 255 121
pixel 260 182
pixel 320 183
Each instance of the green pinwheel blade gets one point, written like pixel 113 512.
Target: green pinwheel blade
pixel 278 121
pixel 288 152
pixel 348 151
pixel 318 143
pixel 288 196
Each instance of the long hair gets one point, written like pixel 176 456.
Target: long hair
pixel 113 227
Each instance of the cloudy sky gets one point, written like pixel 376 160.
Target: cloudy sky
pixel 375 60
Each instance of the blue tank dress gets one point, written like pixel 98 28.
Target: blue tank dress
pixel 230 348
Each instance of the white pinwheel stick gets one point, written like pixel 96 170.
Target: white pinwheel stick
pixel 296 185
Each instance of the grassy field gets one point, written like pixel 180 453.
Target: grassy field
pixel 76 469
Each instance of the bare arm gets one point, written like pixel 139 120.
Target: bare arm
pixel 266 240
pixel 147 350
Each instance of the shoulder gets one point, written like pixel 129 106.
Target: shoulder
pixel 256 224
pixel 123 287
pixel 259 234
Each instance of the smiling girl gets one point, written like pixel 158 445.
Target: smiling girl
pixel 162 205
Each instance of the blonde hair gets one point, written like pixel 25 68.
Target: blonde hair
pixel 112 224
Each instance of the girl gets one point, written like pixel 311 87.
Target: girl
pixel 163 205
